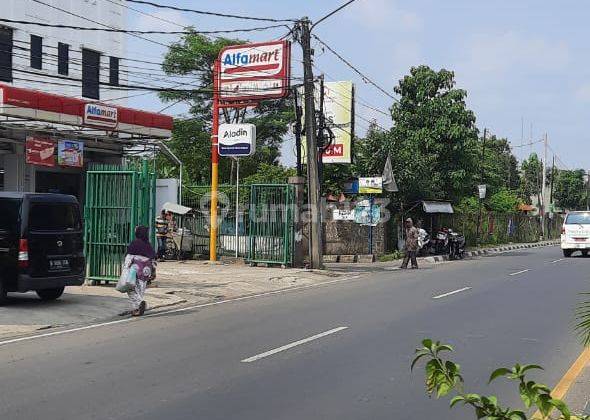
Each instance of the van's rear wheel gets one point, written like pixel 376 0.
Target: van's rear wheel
pixel 50 294
pixel 567 253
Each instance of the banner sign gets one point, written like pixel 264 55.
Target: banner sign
pixel 70 153
pixel 237 139
pixel 343 214
pixel 339 114
pixel 351 187
pixel 482 189
pixel 39 151
pixel 365 214
pixel 101 116
pixel 255 71
pixel 372 185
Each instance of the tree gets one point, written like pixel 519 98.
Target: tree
pixel 504 201
pixel 500 165
pixel 433 142
pixel 194 55
pixel 531 178
pixel 569 190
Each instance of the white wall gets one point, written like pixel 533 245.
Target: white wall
pixel 108 44
pixel 166 192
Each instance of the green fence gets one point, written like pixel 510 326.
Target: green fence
pixel 118 198
pixel 271 224
pixel 197 197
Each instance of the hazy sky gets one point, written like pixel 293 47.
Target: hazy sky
pixel 517 59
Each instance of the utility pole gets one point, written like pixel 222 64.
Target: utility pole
pixel 481 179
pixel 315 252
pixel 544 181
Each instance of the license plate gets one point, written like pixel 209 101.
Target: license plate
pixel 59 265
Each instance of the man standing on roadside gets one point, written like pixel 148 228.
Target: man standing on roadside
pixel 161 233
pixel 411 246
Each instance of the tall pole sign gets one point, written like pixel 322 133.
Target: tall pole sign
pixel 243 75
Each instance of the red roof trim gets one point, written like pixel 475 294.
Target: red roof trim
pixel 50 102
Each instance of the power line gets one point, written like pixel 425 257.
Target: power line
pixel 202 12
pixel 332 13
pixel 133 31
pixel 98 23
pixel 364 77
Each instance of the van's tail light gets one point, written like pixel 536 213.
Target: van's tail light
pixel 23 253
pixel 563 230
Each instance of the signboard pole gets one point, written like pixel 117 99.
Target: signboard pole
pixel 214 165
pixel 237 202
pixel 371 200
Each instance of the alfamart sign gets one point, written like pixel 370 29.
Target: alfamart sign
pixel 237 140
pixel 101 116
pixel 255 71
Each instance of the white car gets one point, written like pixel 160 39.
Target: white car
pixel 575 233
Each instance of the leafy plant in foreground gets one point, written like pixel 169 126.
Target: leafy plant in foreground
pixel 443 377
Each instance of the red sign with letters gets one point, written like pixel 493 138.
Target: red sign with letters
pixel 40 151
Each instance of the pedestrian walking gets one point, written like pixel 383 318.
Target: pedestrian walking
pixel 411 246
pixel 162 234
pixel 141 256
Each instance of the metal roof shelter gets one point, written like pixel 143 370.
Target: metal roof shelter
pixel 437 207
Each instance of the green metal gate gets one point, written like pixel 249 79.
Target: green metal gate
pixel 118 198
pixel 271 224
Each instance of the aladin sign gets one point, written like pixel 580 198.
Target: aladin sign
pixel 237 140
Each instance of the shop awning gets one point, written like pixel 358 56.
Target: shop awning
pixel 176 208
pixel 437 207
pixel 36 105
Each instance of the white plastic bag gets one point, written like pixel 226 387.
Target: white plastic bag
pixel 128 277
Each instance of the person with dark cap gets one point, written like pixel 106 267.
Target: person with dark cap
pixel 411 247
pixel 141 256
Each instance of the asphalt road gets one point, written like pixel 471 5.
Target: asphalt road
pixel 247 360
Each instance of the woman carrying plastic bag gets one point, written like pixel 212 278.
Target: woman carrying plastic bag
pixel 138 269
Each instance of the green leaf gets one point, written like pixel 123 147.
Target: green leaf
pixel 456 399
pixel 443 389
pixel 499 372
pixel 416 359
pixel 562 407
pixel 529 367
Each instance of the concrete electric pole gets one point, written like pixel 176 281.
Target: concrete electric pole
pixel 316 245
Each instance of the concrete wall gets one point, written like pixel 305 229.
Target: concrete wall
pixel 345 237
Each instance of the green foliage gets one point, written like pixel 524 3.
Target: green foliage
pixel 433 142
pixel 531 178
pixel 270 174
pixel 443 377
pixel 500 165
pixel 396 255
pixel 468 205
pixel 504 201
pixel 569 190
pixel 194 55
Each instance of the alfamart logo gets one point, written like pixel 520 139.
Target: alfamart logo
pixel 252 60
pixel 100 115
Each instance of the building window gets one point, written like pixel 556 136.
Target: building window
pixel 90 74
pixel 36 52
pixel 63 58
pixel 6 54
pixel 114 71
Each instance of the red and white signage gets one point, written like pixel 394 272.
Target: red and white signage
pixel 40 151
pixel 101 115
pixel 255 71
pixel 41 106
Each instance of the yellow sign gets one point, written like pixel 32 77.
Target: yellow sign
pixel 339 114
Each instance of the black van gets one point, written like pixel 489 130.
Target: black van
pixel 41 244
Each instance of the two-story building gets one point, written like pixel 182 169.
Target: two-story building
pixel 62 94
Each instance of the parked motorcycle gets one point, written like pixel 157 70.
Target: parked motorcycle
pixel 456 245
pixel 423 242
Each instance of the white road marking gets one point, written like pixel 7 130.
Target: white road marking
pixel 451 293
pixel 172 311
pixel 291 345
pixel 556 261
pixel 519 272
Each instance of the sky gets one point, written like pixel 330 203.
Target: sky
pixel 524 64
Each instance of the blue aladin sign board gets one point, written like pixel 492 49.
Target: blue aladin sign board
pixel 237 140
